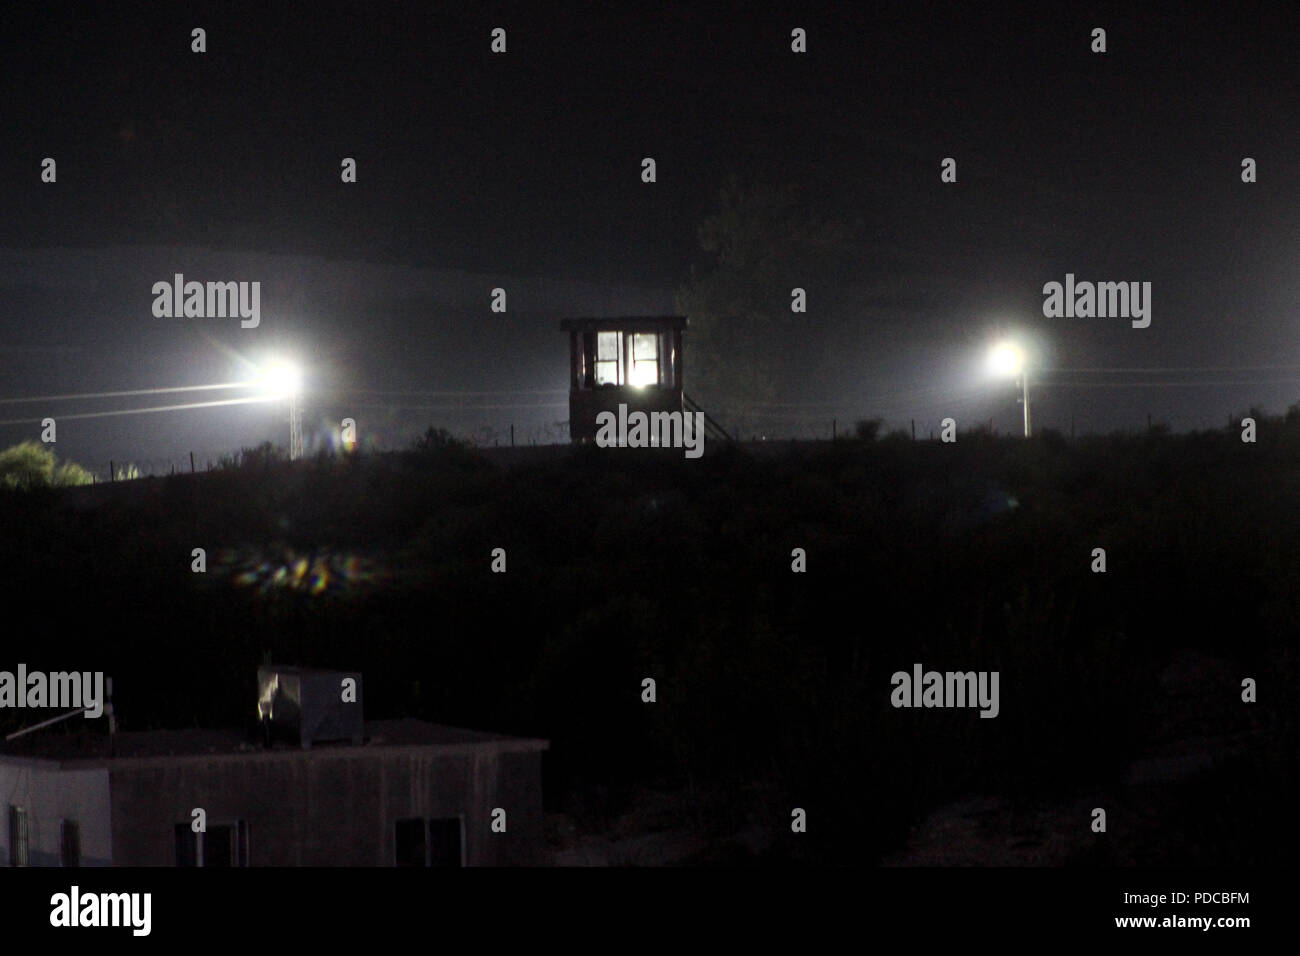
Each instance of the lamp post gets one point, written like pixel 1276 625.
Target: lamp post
pixel 1007 360
pixel 284 380
pixel 295 426
pixel 1024 396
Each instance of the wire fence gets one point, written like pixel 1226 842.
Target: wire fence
pixel 530 417
pixel 126 467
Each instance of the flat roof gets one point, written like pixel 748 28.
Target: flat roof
pixel 609 324
pixel 88 748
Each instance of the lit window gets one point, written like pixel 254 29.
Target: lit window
pixel 645 359
pixel 609 358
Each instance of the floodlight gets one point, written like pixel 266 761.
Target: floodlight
pixel 1006 360
pixel 281 380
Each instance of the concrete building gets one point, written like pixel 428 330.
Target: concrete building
pixel 410 794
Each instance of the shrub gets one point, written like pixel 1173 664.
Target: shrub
pixel 32 464
pixel 867 428
pixel 436 439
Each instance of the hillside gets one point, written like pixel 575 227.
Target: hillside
pixel 1119 689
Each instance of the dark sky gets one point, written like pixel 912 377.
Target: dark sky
pixel 522 170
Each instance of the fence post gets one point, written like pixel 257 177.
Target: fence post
pixel 512 436
pixel 112 471
pixel 191 463
pixel 913 429
pixel 833 429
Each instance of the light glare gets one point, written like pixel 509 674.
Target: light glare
pixel 282 380
pixel 1006 360
pixel 644 373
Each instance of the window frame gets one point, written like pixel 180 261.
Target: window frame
pixel 20 849
pixel 239 844
pixel 655 339
pixel 427 824
pixel 617 361
pixel 66 827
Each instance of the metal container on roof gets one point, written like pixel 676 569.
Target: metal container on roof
pixel 305 706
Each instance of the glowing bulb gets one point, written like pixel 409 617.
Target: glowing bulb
pixel 1006 360
pixel 282 380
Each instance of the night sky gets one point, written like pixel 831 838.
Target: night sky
pixel 522 170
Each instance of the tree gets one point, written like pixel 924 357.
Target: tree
pixel 262 456
pixel 32 464
pixel 868 429
pixel 760 244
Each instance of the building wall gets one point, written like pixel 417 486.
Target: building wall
pixel 586 404
pixel 332 807
pixel 50 796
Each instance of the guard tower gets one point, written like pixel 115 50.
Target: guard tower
pixel 635 361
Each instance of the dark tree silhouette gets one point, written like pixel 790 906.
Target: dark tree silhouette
pixel 761 242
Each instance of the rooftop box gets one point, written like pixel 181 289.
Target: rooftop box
pixel 305 706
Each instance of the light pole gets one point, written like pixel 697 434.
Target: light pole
pixel 295 426
pixel 1007 360
pixel 1024 396
pixel 284 380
